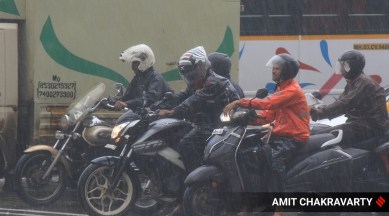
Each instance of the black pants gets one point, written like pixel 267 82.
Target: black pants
pixel 356 134
pixel 191 147
pixel 282 149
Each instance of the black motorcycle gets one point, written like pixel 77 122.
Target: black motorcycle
pixel 237 162
pixel 110 185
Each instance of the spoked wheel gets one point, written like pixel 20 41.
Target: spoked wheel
pixel 145 204
pixel 30 184
pixel 197 201
pixel 95 197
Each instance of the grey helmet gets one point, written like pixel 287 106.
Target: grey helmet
pixel 220 64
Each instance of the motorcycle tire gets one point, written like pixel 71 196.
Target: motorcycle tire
pixel 28 181
pixel 96 200
pixel 196 201
pixel 145 205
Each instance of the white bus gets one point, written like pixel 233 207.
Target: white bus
pixel 316 32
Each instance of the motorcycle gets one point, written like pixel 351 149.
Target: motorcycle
pixel 110 184
pixel 43 172
pixel 237 162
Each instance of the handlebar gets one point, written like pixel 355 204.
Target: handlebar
pixel 106 104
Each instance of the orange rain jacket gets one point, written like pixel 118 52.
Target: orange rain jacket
pixel 287 107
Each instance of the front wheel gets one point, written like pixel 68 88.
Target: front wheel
pixel 30 184
pixel 199 200
pixel 95 197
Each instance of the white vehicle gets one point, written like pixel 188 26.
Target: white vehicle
pixel 316 33
pixel 51 51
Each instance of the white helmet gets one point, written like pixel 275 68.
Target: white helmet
pixel 141 53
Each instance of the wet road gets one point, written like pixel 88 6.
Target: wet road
pixel 11 204
pixel 68 205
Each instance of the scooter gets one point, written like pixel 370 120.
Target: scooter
pixel 110 184
pixel 237 161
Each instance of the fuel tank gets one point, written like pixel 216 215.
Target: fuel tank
pixel 97 135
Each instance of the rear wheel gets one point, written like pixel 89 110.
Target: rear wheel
pixel 30 184
pixel 197 200
pixel 95 197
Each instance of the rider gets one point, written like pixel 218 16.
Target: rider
pixel 146 79
pixel 202 102
pixel 288 108
pixel 362 101
pixel 221 65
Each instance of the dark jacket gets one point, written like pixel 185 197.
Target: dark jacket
pixel 363 102
pixel 205 105
pixel 238 89
pixel 149 81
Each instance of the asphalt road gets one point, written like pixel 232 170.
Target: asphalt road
pixel 11 204
pixel 68 205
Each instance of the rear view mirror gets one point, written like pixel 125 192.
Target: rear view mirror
pixel 261 93
pixel 119 89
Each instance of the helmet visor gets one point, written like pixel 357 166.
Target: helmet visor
pixel 192 75
pixel 275 60
pixel 342 67
pixel 189 73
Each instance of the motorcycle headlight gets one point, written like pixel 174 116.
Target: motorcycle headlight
pixel 117 129
pixel 65 122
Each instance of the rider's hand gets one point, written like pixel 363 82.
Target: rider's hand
pixel 231 106
pixel 315 113
pixel 164 112
pixel 120 104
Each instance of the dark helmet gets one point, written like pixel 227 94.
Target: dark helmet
pixel 220 64
pixel 193 66
pixel 352 62
pixel 290 66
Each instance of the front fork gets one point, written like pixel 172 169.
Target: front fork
pixel 56 158
pixel 70 136
pixel 118 170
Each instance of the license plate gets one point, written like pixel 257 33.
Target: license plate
pixel 218 131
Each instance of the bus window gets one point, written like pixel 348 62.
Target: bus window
pixel 314 17
pixel 322 17
pixel 368 16
pixel 264 17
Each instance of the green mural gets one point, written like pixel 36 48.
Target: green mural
pixel 9 6
pixel 64 57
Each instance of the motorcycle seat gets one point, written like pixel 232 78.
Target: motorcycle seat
pixel 315 142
